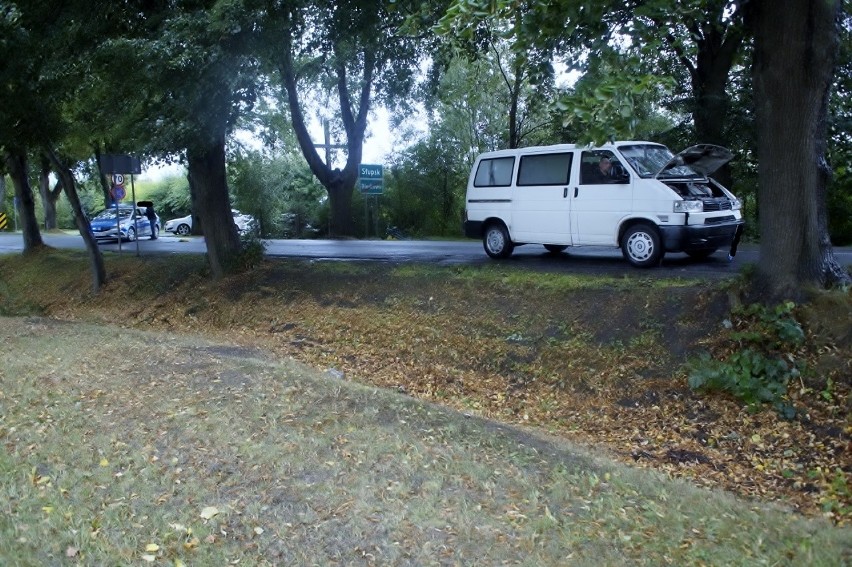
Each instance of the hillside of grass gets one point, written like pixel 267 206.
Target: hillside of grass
pixel 600 362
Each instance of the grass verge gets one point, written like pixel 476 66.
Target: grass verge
pixel 130 447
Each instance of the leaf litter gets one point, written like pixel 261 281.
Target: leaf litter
pixel 600 366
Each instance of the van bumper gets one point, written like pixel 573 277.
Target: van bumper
pixel 700 237
pixel 472 229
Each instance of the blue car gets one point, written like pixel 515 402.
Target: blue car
pixel 130 223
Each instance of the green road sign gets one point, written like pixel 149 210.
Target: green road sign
pixel 370 178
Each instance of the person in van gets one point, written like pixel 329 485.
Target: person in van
pixel 604 172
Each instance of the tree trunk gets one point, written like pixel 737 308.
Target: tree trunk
pixel 67 182
pixel 710 114
pixel 102 179
pixel 48 197
pixel 207 176
pixel 794 54
pixel 339 183
pixel 17 163
pixel 718 41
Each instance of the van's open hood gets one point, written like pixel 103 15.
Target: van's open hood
pixel 703 158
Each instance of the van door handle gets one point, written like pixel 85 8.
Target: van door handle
pixel 565 193
pixel 576 191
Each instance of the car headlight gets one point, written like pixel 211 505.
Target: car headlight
pixel 691 206
pixel 736 204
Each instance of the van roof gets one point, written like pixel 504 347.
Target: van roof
pixel 564 147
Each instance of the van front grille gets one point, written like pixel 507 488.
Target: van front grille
pixel 711 205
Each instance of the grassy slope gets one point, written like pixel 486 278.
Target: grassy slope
pixel 495 343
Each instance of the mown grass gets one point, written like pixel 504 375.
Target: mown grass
pixel 130 447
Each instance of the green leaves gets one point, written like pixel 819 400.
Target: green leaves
pixel 610 106
pixel 762 369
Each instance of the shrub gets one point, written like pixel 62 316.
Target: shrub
pixel 252 251
pixel 760 370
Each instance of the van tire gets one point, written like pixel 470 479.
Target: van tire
pixel 496 241
pixel 555 248
pixel 641 245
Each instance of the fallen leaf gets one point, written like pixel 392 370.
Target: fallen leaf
pixel 209 512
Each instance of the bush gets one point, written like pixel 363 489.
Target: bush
pixel 760 370
pixel 252 251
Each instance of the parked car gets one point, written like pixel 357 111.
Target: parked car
pixel 129 224
pixel 183 226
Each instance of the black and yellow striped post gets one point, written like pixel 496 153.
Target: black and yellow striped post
pixel 4 221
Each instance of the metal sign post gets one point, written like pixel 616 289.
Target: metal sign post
pixel 371 182
pixel 118 165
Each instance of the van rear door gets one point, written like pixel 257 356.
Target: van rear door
pixel 541 202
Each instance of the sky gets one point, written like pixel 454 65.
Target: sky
pixel 378 145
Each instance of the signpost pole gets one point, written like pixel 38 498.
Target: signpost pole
pixel 370 180
pixel 117 223
pixel 135 219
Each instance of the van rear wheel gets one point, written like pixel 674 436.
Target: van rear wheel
pixel 496 241
pixel 641 246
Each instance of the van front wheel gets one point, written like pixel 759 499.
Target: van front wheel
pixel 496 241
pixel 641 246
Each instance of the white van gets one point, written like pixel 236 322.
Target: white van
pixel 635 195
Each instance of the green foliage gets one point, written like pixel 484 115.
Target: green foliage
pixel 425 190
pixel 171 198
pixel 252 251
pixel 765 363
pixel 280 192
pixel 611 105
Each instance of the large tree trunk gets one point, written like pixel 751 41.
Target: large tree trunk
pixel 718 40
pixel 67 182
pixel 48 197
pixel 207 177
pixel 17 164
pixel 795 45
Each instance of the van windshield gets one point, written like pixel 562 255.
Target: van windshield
pixel 649 159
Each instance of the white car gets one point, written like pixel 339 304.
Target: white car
pixel 183 226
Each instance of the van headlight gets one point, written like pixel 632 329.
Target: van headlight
pixel 691 206
pixel 736 204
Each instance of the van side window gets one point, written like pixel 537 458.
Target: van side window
pixel 601 167
pixel 545 169
pixel 495 172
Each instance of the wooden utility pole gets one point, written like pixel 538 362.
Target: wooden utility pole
pixel 328 146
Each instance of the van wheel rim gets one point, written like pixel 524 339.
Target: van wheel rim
pixel 641 246
pixel 495 241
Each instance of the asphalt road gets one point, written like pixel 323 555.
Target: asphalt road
pixel 592 260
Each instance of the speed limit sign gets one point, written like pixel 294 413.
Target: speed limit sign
pixel 118 179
